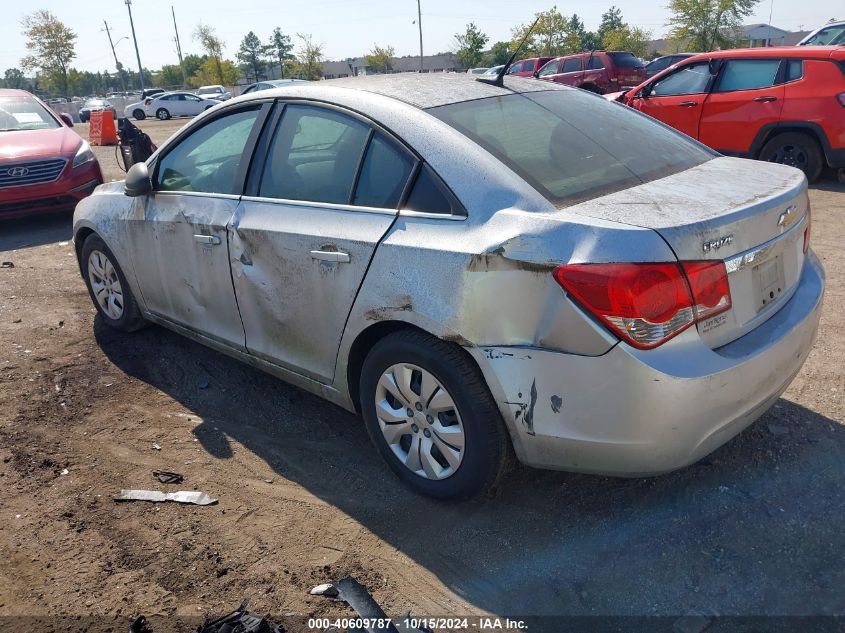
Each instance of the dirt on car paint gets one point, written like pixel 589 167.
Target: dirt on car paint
pixel 753 529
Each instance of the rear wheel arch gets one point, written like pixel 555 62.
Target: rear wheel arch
pixel 364 343
pixel 768 132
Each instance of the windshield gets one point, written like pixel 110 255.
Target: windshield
pixel 827 36
pixel 626 60
pixel 208 91
pixel 571 145
pixel 96 103
pixel 24 113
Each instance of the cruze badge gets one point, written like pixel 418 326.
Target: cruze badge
pixel 715 245
pixel 788 217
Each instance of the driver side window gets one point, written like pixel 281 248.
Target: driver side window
pixel 689 80
pixel 207 160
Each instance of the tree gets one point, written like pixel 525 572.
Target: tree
pixel 550 38
pixel 213 47
pixel 281 46
pixel 213 71
pixel 251 55
pixel 628 38
pixel 13 78
pixel 706 25
pixel 499 53
pixel 309 58
pixel 169 76
pixel 51 46
pixel 470 43
pixel 381 59
pixel 611 20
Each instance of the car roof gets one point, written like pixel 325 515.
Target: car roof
pixel 14 92
pixel 429 90
pixel 805 52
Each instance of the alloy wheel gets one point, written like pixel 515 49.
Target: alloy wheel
pixel 105 285
pixel 420 421
pixel 792 155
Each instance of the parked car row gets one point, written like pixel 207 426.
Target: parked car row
pixel 783 104
pixel 166 105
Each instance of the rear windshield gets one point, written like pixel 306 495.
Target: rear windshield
pixel 627 60
pixel 24 113
pixel 572 145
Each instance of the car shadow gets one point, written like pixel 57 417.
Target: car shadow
pixel 35 231
pixel 755 528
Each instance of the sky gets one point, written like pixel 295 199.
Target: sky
pixel 345 28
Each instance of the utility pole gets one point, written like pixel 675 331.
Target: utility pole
pixel 179 49
pixel 116 63
pixel 135 39
pixel 419 23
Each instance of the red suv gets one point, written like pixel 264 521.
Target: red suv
pixel 527 67
pixel 597 71
pixel 44 165
pixel 784 105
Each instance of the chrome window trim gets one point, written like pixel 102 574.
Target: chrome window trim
pixel 196 194
pixel 333 206
pixel 451 217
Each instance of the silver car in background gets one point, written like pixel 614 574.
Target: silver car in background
pixel 475 269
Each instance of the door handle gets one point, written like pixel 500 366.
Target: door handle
pixel 331 256
pixel 688 104
pixel 207 239
pixel 765 99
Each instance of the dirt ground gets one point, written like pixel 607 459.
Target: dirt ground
pixel 754 529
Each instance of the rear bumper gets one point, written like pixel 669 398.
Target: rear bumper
pixel 634 413
pixel 61 195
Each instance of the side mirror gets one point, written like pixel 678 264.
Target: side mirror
pixel 66 118
pixel 138 181
pixel 536 74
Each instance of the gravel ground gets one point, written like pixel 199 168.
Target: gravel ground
pixel 754 529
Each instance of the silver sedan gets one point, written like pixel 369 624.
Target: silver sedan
pixel 477 270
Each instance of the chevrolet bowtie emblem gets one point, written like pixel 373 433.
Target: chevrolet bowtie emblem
pixel 788 217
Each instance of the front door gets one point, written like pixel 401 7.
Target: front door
pixel 319 203
pixel 745 98
pixel 179 232
pixel 678 98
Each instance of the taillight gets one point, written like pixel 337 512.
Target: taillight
pixel 841 98
pixel 647 304
pixel 807 230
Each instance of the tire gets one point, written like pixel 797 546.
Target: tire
pixel 83 119
pixel 139 115
pixel 99 263
pixel 466 411
pixel 162 114
pixel 797 150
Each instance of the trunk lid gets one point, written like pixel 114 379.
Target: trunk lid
pixel 749 214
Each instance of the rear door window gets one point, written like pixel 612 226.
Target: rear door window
pixel 626 60
pixel 430 195
pixel 314 156
pixel 595 63
pixel 748 74
pixel 572 65
pixel 384 174
pixel 689 80
pixel 515 68
pixel 794 69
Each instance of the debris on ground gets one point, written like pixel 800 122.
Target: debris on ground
pixel 168 477
pixel 777 429
pixel 241 621
pixel 65 471
pixel 156 447
pixel 7 265
pixel 183 496
pixel 356 596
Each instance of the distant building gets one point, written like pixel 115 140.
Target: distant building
pixel 354 67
